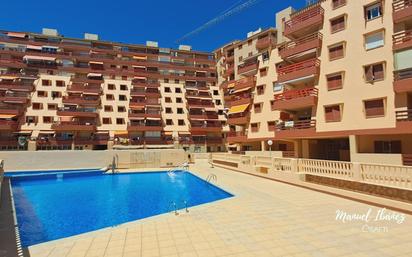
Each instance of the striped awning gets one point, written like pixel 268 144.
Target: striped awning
pixel 238 108
pixel 242 90
pixel 43 58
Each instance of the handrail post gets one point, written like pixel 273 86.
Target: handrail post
pixel 294 163
pixel 356 169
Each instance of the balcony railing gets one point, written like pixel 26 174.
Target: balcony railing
pixel 16 86
pixel 77 112
pixel 247 68
pixel 403 80
pixel 263 43
pixel 297 93
pixel 85 89
pixel 239 118
pixel 402 40
pixel 402 10
pixel 297 125
pixel 245 83
pixel 405 115
pixel 301 45
pixel 74 126
pixel 81 100
pixel 298 70
pixel 8 125
pixel 304 19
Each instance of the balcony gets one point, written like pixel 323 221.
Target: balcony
pixel 53 141
pixel 203 116
pixel 230 59
pixel 10 110
pixel 239 118
pixel 296 99
pixel 73 126
pixel 236 136
pixel 296 129
pixel 140 83
pixel 230 70
pixel 77 112
pixel 245 99
pixel 87 89
pixel 8 125
pixel 200 103
pixel 15 98
pixel 92 140
pixel 244 83
pixel 403 80
pixel 157 140
pixel 301 45
pixel 302 21
pixel 145 115
pixel 402 40
pixel 142 126
pixel 248 68
pixel 402 10
pixel 12 86
pixel 90 101
pixel 264 43
pixel 205 128
pixel 149 92
pixel 83 80
pixel 299 70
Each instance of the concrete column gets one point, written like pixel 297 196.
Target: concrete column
pixel 31 145
pixel 262 145
pixel 353 147
pixel 305 149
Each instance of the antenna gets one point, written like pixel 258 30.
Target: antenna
pixel 225 14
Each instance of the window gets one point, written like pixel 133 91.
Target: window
pixel 263 72
pixel 60 83
pixel 240 47
pixel 41 93
pixel 254 127
pixel 119 121
pixel 179 100
pixel 258 107
pixel 123 87
pixel 46 82
pixel 169 122
pixel 180 110
pixel 166 80
pixel 373 11
pixel 393 146
pixel 181 122
pixel 260 89
pixel 111 87
pixel 178 90
pixel 336 51
pixel 37 106
pixel 265 56
pixel 167 90
pixel 215 92
pixel 374 40
pixel 250 54
pixel 374 72
pixel 52 107
pixel 240 58
pixel 249 43
pixel 271 125
pixel 374 108
pixel 337 24
pixel 122 98
pixel 107 121
pixel 168 99
pixel 334 81
pixel 108 108
pixel 277 87
pixel 56 94
pixel 168 110
pixel 31 119
pixel 121 109
pixel 338 3
pixel 177 81
pixel 47 119
pixel 332 113
pixel 109 97
pixel 218 102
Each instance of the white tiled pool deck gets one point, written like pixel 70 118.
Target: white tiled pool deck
pixel 265 218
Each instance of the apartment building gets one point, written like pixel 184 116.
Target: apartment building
pixel 332 81
pixel 67 93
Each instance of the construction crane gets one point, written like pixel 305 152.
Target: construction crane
pixel 235 8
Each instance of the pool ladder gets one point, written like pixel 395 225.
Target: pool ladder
pixel 175 210
pixel 211 178
pixel 184 166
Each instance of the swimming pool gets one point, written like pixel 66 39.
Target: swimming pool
pixel 57 205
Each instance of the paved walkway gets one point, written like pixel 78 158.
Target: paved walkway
pixel 265 218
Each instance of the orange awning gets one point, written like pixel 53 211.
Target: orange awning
pixel 139 57
pixel 7 116
pixel 242 90
pixel 168 133
pixel 94 62
pixel 121 132
pixel 238 108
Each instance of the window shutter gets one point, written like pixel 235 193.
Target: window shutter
pixel 378 71
pixel 374 108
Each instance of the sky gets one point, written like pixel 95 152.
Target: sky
pixel 137 21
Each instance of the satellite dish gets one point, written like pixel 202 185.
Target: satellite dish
pixel 22 141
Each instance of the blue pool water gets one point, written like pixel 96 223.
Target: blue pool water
pixel 58 205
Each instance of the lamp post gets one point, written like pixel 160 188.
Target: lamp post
pixel 270 143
